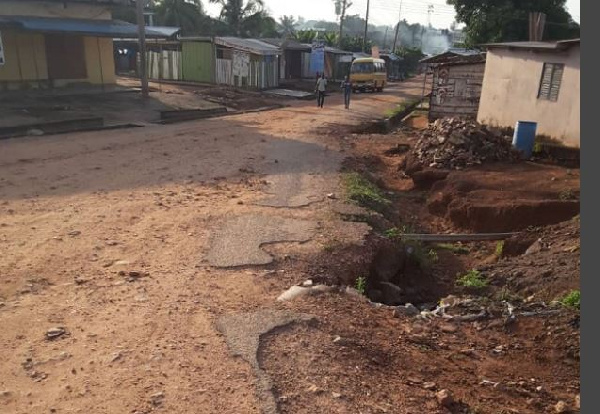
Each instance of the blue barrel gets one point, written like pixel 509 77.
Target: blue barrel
pixel 524 137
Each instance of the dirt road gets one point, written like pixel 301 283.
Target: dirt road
pixel 124 240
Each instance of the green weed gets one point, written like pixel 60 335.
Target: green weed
pixel 432 255
pixel 499 248
pixel 473 278
pixel 364 192
pixel 361 284
pixel 395 233
pixel 572 299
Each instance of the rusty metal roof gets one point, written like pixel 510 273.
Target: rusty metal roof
pixel 455 55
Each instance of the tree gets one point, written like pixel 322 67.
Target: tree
pixel 330 39
pixel 259 24
pixel 245 16
pixel 410 59
pixel 341 7
pixel 305 36
pixel 125 13
pixel 288 26
pixel 508 20
pixel 355 44
pixel 187 14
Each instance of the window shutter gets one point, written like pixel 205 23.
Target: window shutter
pixel 546 81
pixel 556 80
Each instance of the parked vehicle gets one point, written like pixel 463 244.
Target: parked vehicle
pixel 368 74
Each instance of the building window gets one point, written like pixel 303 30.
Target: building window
pixel 551 79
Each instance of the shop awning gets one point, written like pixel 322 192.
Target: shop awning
pixel 84 27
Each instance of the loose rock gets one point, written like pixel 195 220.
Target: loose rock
pixel 561 407
pixel 429 385
pixel 445 398
pixel 407 310
pixel 157 399
pixel 54 333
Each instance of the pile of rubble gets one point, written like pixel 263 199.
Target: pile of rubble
pixel 453 143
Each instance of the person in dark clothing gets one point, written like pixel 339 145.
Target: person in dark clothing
pixel 320 90
pixel 347 88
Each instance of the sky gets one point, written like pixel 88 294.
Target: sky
pixel 383 12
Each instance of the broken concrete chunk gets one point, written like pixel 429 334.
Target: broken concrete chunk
pixel 298 291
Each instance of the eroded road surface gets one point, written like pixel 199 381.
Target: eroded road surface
pixel 145 255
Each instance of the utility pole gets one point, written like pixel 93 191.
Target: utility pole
pixel 366 27
pixel 397 28
pixel 385 38
pixel 139 4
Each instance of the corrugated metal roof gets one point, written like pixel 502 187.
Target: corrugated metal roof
pixel 167 31
pixel 360 55
pixel 336 51
pixel 248 45
pixel 100 28
pixel 454 55
pixel 561 44
pixel 287 44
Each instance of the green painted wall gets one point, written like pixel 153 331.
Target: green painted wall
pixel 198 61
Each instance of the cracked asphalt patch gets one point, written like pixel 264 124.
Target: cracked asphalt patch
pixel 238 242
pixel 299 174
pixel 242 333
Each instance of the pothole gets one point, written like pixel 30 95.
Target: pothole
pixel 386 271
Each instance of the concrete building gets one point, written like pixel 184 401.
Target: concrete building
pixel 534 81
pixel 47 43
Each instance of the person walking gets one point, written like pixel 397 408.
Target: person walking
pixel 320 90
pixel 347 88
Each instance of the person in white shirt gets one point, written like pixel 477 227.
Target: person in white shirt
pixel 320 90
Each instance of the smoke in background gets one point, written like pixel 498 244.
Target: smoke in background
pixel 430 40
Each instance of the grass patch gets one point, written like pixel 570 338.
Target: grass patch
pixel 572 299
pixel 473 279
pixel 364 192
pixel 401 108
pixel 454 248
